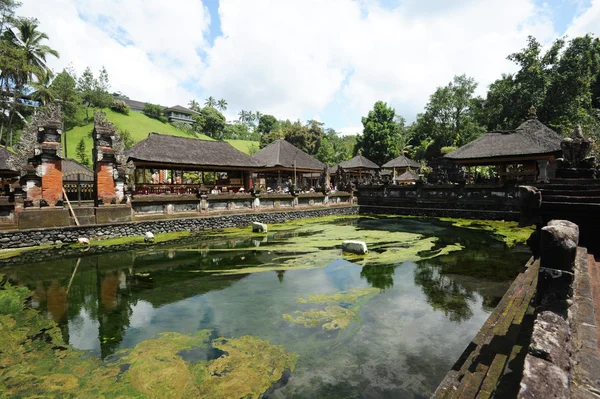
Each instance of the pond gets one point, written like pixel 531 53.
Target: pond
pixel 284 315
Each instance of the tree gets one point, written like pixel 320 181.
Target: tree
pixel 63 88
pixel 42 92
pixel 307 138
pixel 126 139
pixel 448 118
pixel 194 106
pixel 85 86
pixel 380 133
pixel 120 106
pixel 25 35
pixel 239 131
pixel 210 122
pixel 222 105
pixel 102 97
pixel 268 138
pixel 210 102
pixel 153 111
pixel 7 14
pixel 266 124
pixel 82 155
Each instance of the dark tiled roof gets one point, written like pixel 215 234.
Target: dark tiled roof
pixel 280 153
pixel 401 162
pixel 531 138
pixel 133 104
pixel 359 162
pixel 70 169
pixel 181 109
pixel 409 175
pixel 163 148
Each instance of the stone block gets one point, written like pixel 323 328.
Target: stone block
pixel 43 218
pixel 355 247
pixel 113 214
pixel 558 248
pixel 549 340
pixel 259 227
pixel 542 379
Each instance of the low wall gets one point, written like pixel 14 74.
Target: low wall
pixel 35 237
pixel 463 201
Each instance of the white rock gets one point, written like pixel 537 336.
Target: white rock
pixel 355 247
pixel 83 240
pixel 259 227
pixel 148 237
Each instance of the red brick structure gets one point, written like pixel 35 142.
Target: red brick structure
pixel 106 181
pixel 52 182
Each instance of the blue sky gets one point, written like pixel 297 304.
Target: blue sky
pixel 301 59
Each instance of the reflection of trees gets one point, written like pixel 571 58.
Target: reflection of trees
pixel 379 276
pixel 444 293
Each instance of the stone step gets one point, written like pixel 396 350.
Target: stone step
pixel 572 198
pixel 594 192
pixel 568 187
pixel 574 181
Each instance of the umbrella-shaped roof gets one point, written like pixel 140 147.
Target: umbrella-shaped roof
pixel 401 162
pixel 358 162
pixel 281 154
pixel 409 175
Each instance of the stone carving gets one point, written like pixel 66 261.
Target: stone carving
pixel 577 160
pixel 325 180
pixel 530 201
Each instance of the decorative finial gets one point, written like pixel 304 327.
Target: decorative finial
pixel 532 113
pixel 359 152
pixel 577 132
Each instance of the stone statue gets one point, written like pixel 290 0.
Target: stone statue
pixel 325 180
pixel 577 160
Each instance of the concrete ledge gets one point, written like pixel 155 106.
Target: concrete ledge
pixel 113 214
pixel 44 217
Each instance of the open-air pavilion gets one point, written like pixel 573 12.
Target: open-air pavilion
pixel 408 177
pixel 518 155
pixel 358 167
pixel 400 166
pixel 285 164
pixel 167 164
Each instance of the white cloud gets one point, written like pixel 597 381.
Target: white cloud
pixel 145 51
pixel 291 58
pixel 587 22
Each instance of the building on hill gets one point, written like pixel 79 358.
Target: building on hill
pixel 167 164
pixel 285 164
pixel 178 113
pixel 136 106
pixel 518 155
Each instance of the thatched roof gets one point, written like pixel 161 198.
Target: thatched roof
pixel 133 104
pixel 531 138
pixel 282 154
pixel 401 162
pixel 71 168
pixel 359 162
pixel 409 175
pixel 166 149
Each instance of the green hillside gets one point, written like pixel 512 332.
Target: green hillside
pixel 139 125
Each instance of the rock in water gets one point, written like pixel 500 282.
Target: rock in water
pixel 148 237
pixel 259 227
pixel 355 247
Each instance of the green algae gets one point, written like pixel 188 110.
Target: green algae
pixel 334 316
pixel 508 232
pixel 35 362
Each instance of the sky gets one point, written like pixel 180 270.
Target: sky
pixel 328 60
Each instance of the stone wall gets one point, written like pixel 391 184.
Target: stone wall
pixel 34 237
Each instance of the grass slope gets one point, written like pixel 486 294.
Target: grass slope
pixel 138 124
pixel 243 145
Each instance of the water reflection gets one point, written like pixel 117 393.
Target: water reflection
pixel 400 344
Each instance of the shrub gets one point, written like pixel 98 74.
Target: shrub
pixel 120 106
pixel 153 111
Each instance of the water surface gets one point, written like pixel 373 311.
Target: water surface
pixel 390 324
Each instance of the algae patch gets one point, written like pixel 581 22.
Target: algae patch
pixel 341 309
pixel 508 232
pixel 35 362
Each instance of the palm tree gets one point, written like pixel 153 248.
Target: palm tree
pixel 222 104
pixel 42 91
pixel 257 116
pixel 243 116
pixel 26 36
pixel 210 102
pixel 194 106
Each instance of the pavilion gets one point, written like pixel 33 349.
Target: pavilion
pixel 401 165
pixel 7 175
pixel 408 177
pixel 517 154
pixel 285 163
pixel 358 166
pixel 166 164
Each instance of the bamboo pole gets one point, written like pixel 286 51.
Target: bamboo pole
pixel 70 207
